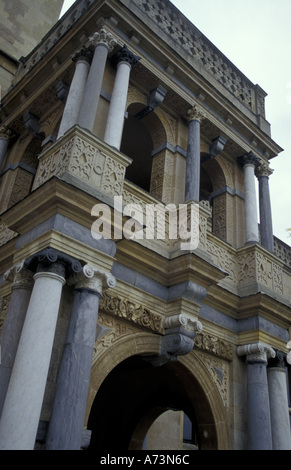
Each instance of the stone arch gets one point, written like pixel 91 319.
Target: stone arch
pixel 217 182
pixel 201 401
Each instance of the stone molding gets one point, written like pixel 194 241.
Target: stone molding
pixel 256 352
pixel 93 279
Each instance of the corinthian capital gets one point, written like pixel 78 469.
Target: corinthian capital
pixel 195 114
pixel 93 279
pixel 256 352
pixel 263 170
pixel 102 36
pixel 125 55
pixel 6 133
pixel 249 159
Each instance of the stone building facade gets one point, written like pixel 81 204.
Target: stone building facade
pixel 116 331
pixel 23 24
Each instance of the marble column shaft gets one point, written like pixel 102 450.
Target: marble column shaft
pixel 68 414
pixel 10 334
pixel 104 43
pixel 279 404
pixel 266 224
pixel 124 61
pixel 22 407
pixel 249 163
pixel 75 96
pixel 259 418
pixel 192 182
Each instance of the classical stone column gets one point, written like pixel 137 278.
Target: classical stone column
pixel 192 184
pixel 82 60
pixel 267 238
pixel 104 42
pixel 124 61
pixel 67 419
pixel 23 403
pixel 279 403
pixel 259 418
pixel 249 163
pixel 20 294
pixel 5 136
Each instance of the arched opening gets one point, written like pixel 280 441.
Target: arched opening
pixel 137 144
pixel 135 393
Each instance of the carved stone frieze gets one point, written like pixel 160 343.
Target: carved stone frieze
pixel 214 346
pixel 131 311
pixel 113 331
pixel 84 160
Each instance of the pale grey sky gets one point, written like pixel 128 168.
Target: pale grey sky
pixel 256 37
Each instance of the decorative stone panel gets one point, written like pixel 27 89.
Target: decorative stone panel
pixel 85 157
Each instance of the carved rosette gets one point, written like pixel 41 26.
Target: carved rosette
pixel 103 37
pixel 195 113
pixel 256 352
pixel 93 279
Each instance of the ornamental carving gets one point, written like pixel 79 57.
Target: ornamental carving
pixel 219 373
pixel 104 37
pixel 131 311
pixel 86 162
pixel 213 345
pixel 6 234
pixel 4 303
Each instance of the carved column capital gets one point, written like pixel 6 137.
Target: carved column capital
pixel 54 261
pixel 19 276
pixel 256 352
pixel 263 169
pixel 83 54
pixel 182 321
pixel 93 279
pixel 6 133
pixel 125 55
pixel 249 159
pixel 103 37
pixel 195 113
